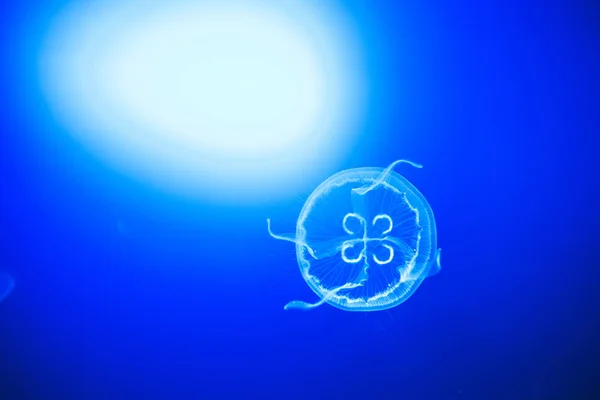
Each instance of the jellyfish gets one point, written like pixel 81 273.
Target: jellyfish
pixel 365 240
pixel 7 283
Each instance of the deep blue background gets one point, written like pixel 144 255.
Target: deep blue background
pixel 127 293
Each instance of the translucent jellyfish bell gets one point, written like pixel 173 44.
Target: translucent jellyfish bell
pixel 6 284
pixel 365 240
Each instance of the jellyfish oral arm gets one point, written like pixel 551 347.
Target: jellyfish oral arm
pixel 7 283
pixel 302 305
pixel 290 238
pixel 436 264
pixel 383 176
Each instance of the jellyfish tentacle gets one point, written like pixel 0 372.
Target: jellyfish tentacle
pixel 290 238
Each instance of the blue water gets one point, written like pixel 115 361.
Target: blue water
pixel 126 292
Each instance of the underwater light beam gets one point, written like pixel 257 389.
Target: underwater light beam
pixel 228 100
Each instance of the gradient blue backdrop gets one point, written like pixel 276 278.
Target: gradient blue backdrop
pixel 128 293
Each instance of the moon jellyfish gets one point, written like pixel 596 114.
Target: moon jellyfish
pixel 365 240
pixel 7 283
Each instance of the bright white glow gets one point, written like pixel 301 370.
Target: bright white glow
pixel 222 100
